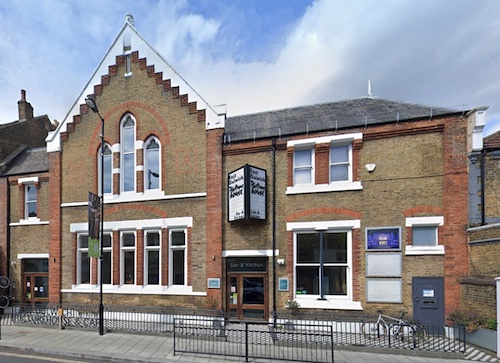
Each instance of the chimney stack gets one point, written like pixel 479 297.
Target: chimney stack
pixel 25 108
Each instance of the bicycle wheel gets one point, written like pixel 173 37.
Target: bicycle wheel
pixel 4 301
pixel 373 329
pixel 419 330
pixel 4 282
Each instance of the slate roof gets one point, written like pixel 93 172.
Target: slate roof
pixel 25 161
pixel 344 114
pixel 492 142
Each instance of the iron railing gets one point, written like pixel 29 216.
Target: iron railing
pixel 300 342
pixel 346 330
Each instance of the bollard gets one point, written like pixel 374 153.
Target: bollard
pixel 60 313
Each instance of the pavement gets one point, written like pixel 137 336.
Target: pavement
pixel 135 348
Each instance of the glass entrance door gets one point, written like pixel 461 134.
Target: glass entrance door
pixel 248 296
pixel 35 281
pixel 36 289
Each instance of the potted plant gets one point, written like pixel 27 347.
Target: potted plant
pixel 479 330
pixel 293 306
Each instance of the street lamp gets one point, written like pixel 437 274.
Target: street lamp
pixel 93 106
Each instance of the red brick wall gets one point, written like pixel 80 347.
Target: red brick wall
pixel 214 260
pixel 55 263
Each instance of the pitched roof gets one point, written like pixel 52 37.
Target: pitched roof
pixel 492 141
pixel 343 114
pixel 136 42
pixel 25 160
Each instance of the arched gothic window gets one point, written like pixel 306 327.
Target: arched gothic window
pixel 152 162
pixel 108 170
pixel 128 154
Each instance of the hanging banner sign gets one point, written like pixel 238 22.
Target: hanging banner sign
pixel 94 217
pixel 247 193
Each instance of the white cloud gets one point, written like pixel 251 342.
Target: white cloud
pixel 429 52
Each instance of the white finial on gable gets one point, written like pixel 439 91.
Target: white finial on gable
pixel 130 19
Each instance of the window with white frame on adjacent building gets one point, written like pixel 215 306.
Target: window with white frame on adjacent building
pixel 128 154
pixel 30 199
pixel 128 249
pixel 424 235
pixel 152 257
pixel 178 257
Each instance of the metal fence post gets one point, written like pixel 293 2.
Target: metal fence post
pixel 497 279
pixel 246 342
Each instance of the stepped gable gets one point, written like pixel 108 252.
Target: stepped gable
pixel 158 79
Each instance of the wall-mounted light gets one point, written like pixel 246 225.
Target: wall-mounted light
pixel 370 167
pixel 280 261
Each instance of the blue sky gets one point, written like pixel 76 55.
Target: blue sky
pixel 262 54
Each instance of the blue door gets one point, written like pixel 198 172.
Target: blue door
pixel 428 303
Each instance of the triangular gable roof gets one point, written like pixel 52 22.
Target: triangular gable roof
pixel 342 114
pixel 140 44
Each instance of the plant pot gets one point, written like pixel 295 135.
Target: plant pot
pixel 484 338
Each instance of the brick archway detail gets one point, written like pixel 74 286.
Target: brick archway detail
pixel 130 107
pixel 438 211
pixel 323 210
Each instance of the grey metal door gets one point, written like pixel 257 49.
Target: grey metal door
pixel 428 303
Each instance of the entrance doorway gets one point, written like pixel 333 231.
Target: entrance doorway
pixel 428 303
pixel 247 287
pixel 35 281
pixel 247 296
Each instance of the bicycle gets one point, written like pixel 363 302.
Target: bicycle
pixel 5 292
pixel 380 327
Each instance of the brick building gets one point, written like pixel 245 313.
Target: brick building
pixel 344 206
pixel 478 288
pixel 24 193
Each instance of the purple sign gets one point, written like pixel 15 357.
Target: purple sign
pixel 383 239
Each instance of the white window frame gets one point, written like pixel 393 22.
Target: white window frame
pixel 123 153
pixel 28 201
pixel 109 249
pixel 330 301
pixel 310 167
pixel 329 186
pixel 147 170
pixel 171 256
pixel 146 257
pixel 123 250
pixel 109 174
pixel 435 221
pixel 79 260
pixel 348 162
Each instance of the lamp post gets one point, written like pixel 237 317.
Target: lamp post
pixel 93 106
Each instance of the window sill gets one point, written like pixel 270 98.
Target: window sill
pixel 323 188
pixel 329 303
pixel 135 289
pixel 29 221
pixel 430 250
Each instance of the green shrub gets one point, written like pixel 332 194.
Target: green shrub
pixel 471 320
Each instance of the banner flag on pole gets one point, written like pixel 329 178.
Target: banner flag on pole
pixel 94 213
